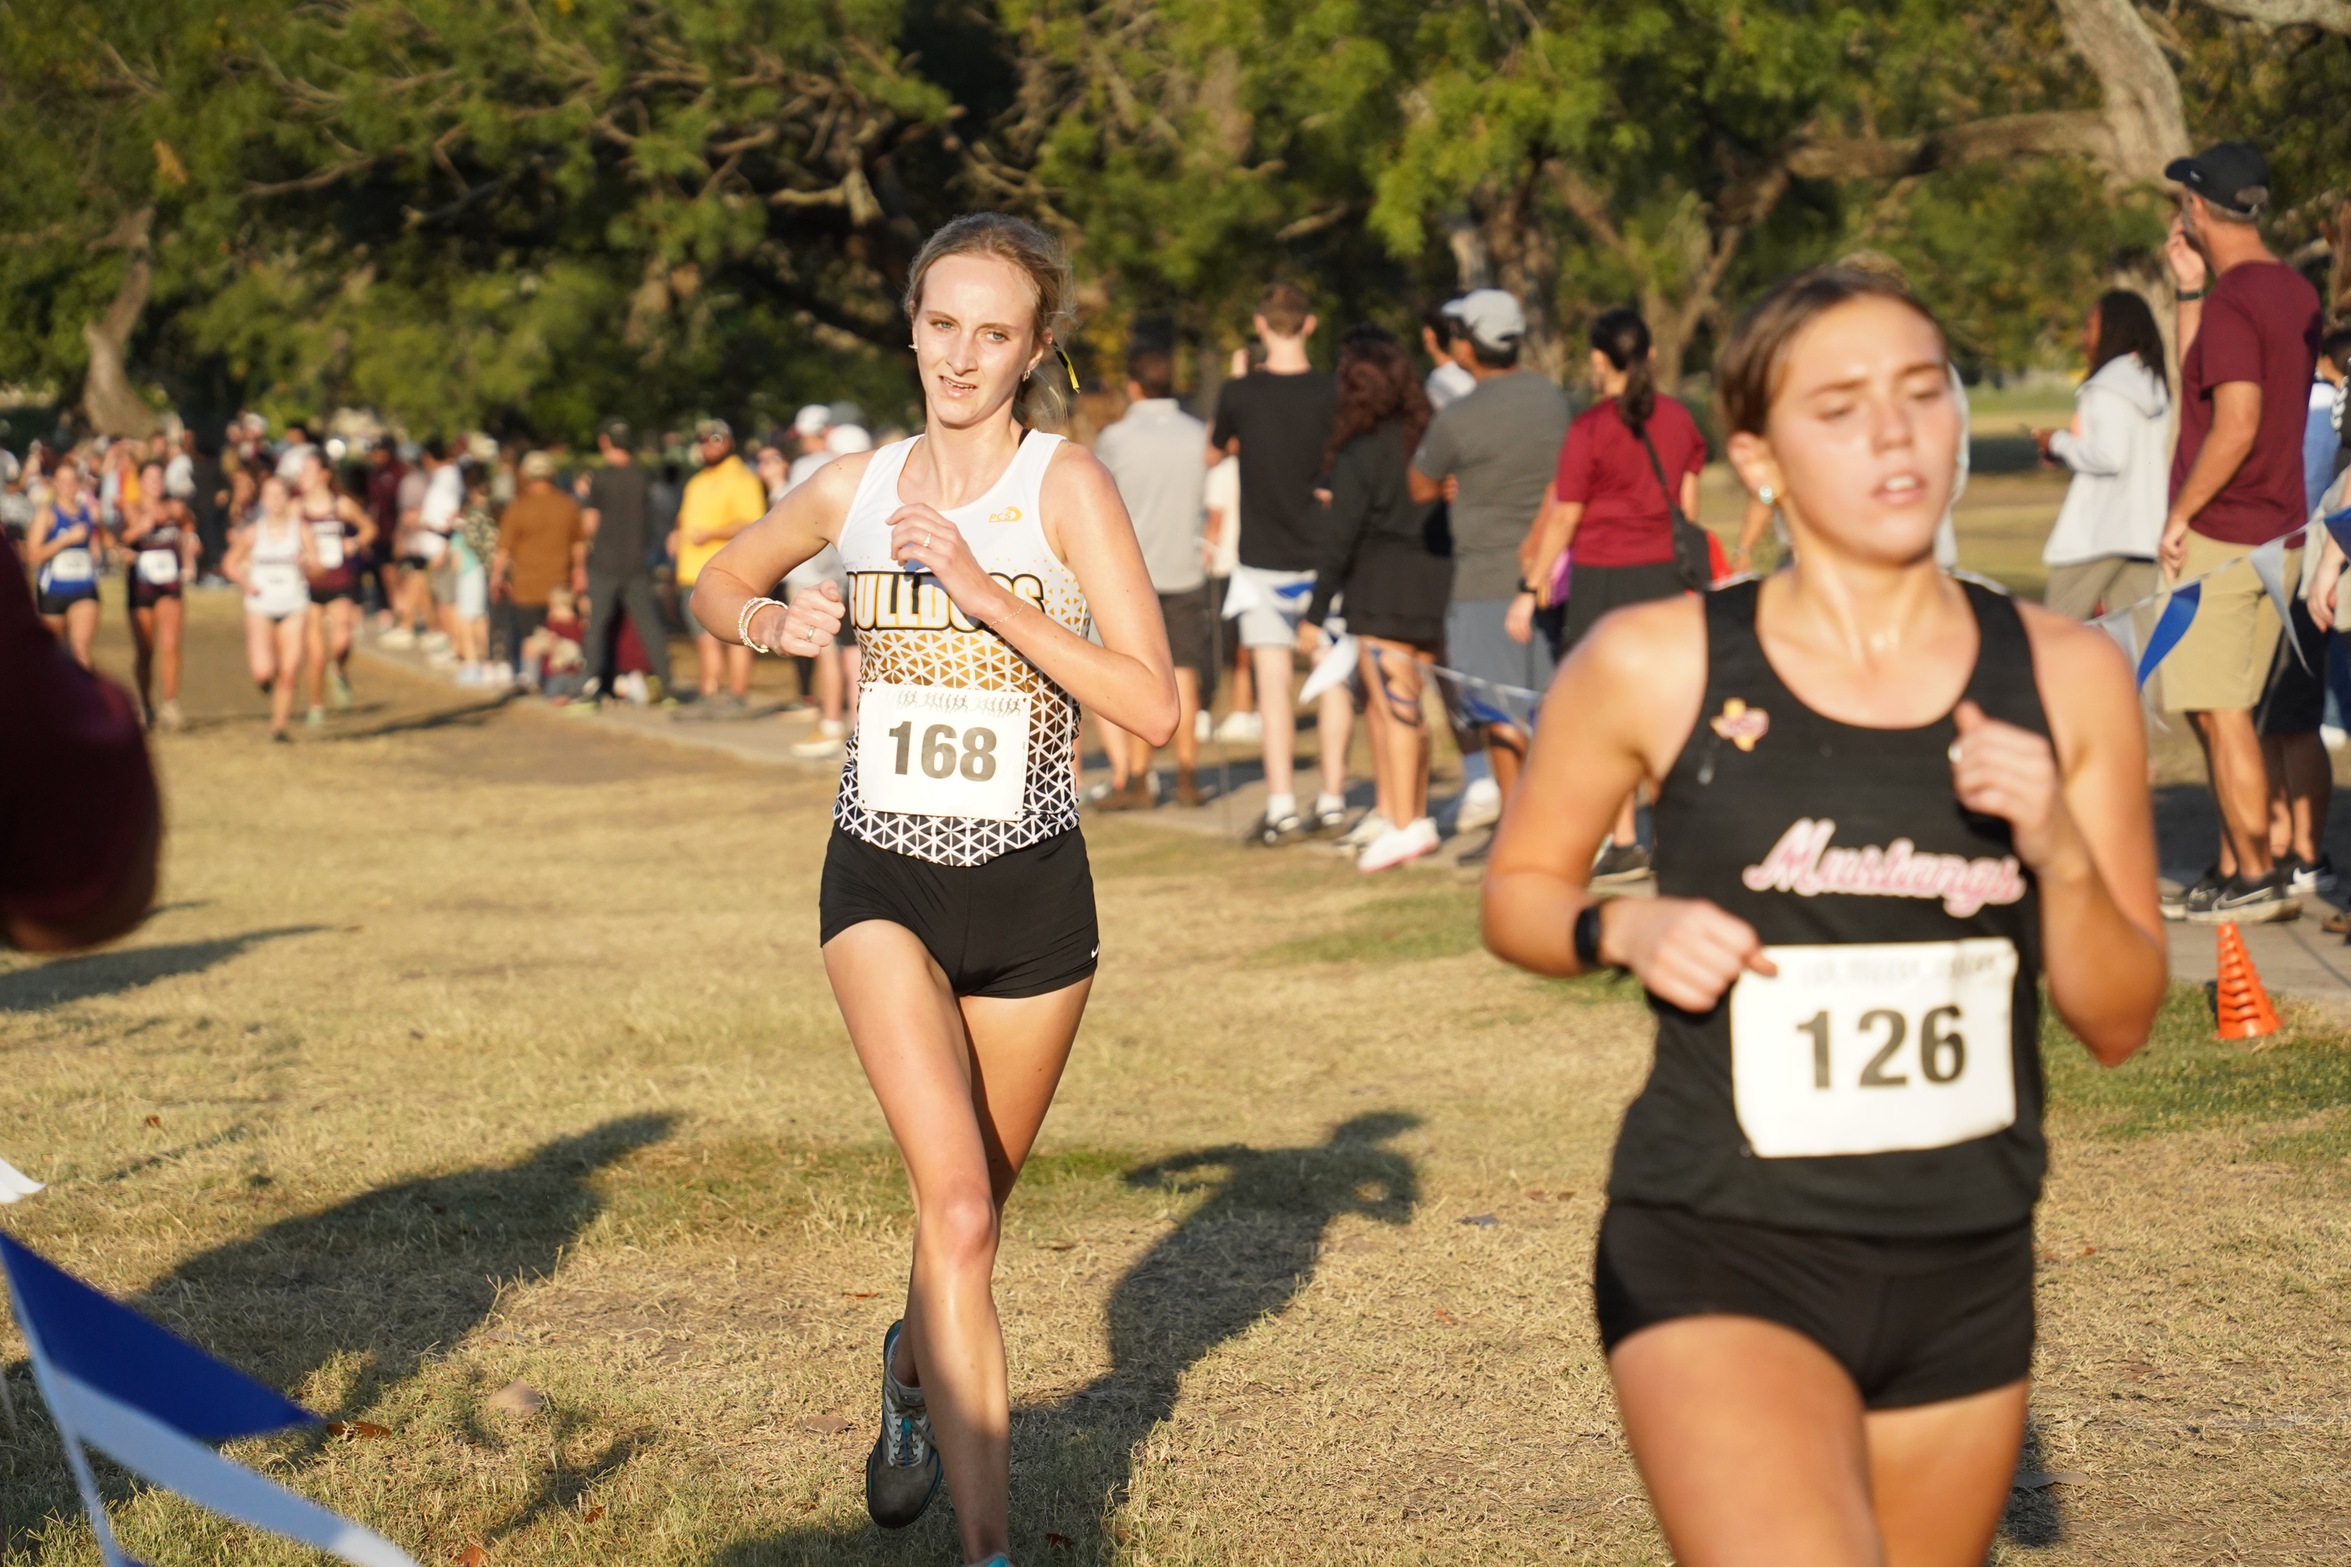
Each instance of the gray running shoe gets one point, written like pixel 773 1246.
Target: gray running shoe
pixel 2174 901
pixel 1620 863
pixel 2241 902
pixel 1272 834
pixel 902 1472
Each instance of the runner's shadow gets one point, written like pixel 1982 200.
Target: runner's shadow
pixel 378 1280
pixel 45 985
pixel 368 1287
pixel 1239 1257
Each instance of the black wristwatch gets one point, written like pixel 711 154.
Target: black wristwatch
pixel 1587 940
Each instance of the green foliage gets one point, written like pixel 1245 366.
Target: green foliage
pixel 526 216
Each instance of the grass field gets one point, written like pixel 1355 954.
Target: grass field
pixel 470 1046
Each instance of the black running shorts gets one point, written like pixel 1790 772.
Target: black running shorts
pixel 1021 924
pixel 1911 1321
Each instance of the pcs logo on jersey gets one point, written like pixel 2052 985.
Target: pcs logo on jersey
pixel 912 601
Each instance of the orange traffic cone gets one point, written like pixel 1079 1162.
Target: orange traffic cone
pixel 2245 1012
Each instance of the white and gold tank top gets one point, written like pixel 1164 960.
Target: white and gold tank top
pixel 962 748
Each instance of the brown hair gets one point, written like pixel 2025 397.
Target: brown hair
pixel 1044 395
pixel 1752 364
pixel 1285 307
pixel 1377 383
pixel 1153 370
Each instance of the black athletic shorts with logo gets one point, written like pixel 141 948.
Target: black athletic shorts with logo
pixel 1021 924
pixel 1912 1321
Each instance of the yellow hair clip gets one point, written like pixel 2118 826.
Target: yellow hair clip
pixel 1070 369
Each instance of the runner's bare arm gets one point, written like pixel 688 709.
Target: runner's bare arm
pixel 360 519
pixel 803 522
pixel 1619 710
pixel 1130 678
pixel 2079 809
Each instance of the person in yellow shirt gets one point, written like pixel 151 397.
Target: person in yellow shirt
pixel 720 501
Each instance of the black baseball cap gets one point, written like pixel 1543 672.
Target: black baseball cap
pixel 2232 175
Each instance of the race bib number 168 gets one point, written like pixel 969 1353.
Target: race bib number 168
pixel 1875 1048
pixel 942 750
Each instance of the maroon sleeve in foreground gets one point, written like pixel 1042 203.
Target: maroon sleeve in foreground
pixel 77 795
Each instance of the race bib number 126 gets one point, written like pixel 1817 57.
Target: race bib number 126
pixel 942 750
pixel 1874 1049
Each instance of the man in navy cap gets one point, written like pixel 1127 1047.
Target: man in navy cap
pixel 2248 331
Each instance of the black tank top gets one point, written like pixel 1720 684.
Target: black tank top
pixel 1888 1082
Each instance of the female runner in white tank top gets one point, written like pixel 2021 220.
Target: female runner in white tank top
pixel 273 558
pixel 957 910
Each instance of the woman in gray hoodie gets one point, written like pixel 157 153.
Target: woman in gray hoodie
pixel 2102 550
pixel 2101 553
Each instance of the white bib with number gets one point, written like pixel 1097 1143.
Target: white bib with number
pixel 942 750
pixel 327 539
pixel 275 577
pixel 159 568
pixel 1860 1049
pixel 72 565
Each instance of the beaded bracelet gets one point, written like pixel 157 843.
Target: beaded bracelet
pixel 743 624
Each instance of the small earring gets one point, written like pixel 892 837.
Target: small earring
pixel 1768 495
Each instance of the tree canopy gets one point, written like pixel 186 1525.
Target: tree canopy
pixel 527 214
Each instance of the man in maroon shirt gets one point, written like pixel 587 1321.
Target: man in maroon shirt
pixel 2248 345
pixel 79 822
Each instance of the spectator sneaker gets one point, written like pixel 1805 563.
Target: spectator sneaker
pixel 1272 833
pixel 167 715
pixel 2240 902
pixel 2174 901
pixel 397 637
pixel 2309 878
pixel 338 690
pixel 1133 795
pixel 1399 844
pixel 1480 805
pixel 902 1471
pixel 1328 821
pixel 316 718
pixel 1619 864
pixel 826 742
pixel 1241 728
pixel 1187 790
pixel 1372 826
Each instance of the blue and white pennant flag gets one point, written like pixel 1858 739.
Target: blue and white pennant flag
pixel 151 1401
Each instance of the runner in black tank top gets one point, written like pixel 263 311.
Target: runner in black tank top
pixel 1880 788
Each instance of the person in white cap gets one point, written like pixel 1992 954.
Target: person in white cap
pixel 1491 453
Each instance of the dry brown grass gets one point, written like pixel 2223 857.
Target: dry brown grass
pixel 489 1048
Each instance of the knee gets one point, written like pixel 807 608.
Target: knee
pixel 960 1230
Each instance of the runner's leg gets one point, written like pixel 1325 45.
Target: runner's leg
pixel 143 657
pixel 170 633
pixel 288 634
pixel 964 1087
pixel 81 629
pixel 314 643
pixel 261 650
pixel 1750 1440
pixel 1940 1475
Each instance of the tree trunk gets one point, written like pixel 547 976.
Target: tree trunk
pixel 2139 93
pixel 1524 257
pixel 109 401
